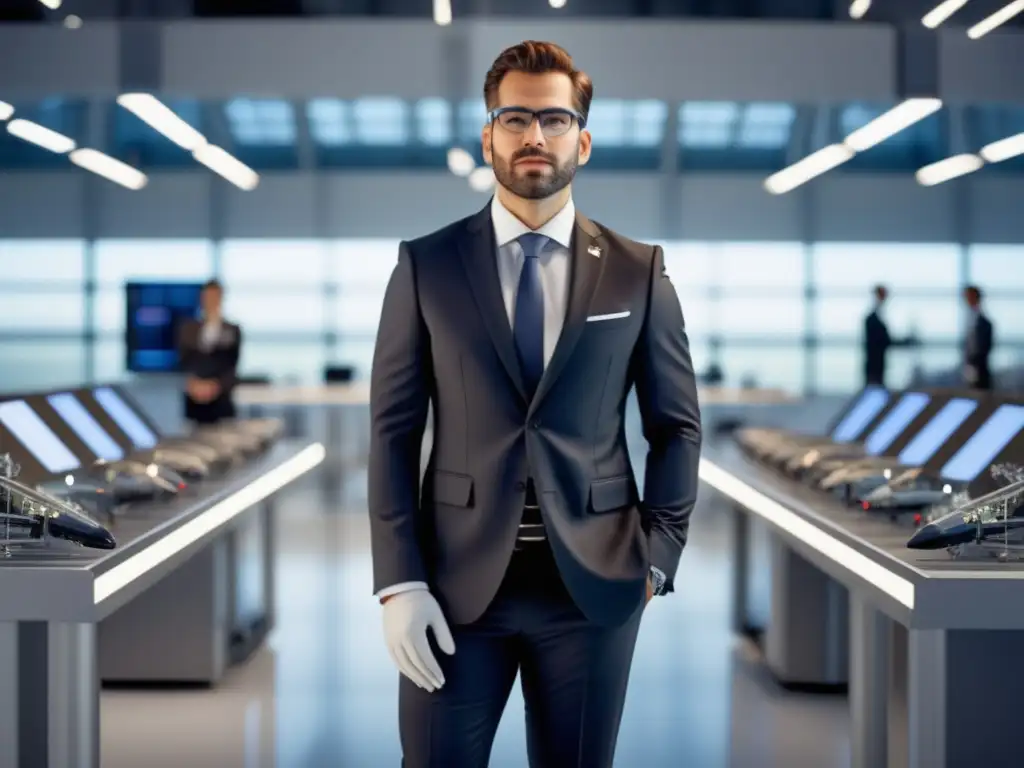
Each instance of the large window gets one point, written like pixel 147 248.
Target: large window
pixel 268 263
pixel 857 267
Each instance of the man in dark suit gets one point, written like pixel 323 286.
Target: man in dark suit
pixel 528 548
pixel 877 340
pixel 979 339
pixel 209 349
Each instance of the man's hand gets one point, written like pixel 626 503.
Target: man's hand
pixel 203 390
pixel 406 618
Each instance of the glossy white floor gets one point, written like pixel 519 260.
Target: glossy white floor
pixel 323 692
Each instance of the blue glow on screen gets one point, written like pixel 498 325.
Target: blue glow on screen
pixel 136 429
pixel 937 431
pixel 895 422
pixel 85 426
pixel 38 439
pixel 985 445
pixel 869 405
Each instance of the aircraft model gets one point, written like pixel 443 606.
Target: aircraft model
pixel 30 515
pixel 993 522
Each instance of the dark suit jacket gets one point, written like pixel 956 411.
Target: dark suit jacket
pixel 876 344
pixel 445 339
pixel 977 349
pixel 219 363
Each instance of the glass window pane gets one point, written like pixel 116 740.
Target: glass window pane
pixel 381 121
pixel 263 122
pixel 690 265
pixel 271 263
pixel 283 311
pixel 761 265
pixel 434 122
pixel 328 122
pixel 774 366
pixel 50 260
pixel 699 315
pixel 108 359
pixel 840 369
pixel 1007 316
pixel 109 310
pixel 859 266
pixel 648 122
pixel 120 260
pixel 356 352
pixel 994 266
pixel 359 313
pixel 295 362
pixel 760 316
pixel 766 125
pixel 928 318
pixel 607 122
pixel 364 262
pixel 32 365
pixel 707 124
pixel 22 310
pixel 472 116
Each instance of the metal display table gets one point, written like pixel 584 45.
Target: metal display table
pixel 56 603
pixel 936 646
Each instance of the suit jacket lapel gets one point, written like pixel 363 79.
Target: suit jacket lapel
pixel 585 269
pixel 479 253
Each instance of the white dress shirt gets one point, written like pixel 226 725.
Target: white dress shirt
pixel 209 335
pixel 554 277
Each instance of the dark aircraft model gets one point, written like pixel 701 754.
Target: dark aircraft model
pixel 994 521
pixel 28 515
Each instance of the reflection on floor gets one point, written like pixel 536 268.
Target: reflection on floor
pixel 323 693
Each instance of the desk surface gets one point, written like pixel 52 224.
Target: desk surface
pixel 62 582
pixel 918 588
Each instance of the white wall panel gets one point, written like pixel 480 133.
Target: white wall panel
pixel 42 205
pixel 171 205
pixel 736 207
pixel 997 209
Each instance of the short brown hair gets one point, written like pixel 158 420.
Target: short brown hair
pixel 535 57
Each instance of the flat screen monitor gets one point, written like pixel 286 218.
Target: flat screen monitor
pixel 85 427
pixel 937 431
pixel 895 421
pixel 37 438
pixel 856 421
pixel 985 444
pixel 154 311
pixel 125 418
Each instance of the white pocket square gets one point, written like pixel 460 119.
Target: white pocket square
pixel 612 316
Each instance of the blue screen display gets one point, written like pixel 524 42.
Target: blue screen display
pixel 987 443
pixel 869 405
pixel 136 429
pixel 937 431
pixel 85 426
pixel 38 439
pixel 895 422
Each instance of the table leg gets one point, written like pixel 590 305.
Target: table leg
pixel 740 569
pixel 868 684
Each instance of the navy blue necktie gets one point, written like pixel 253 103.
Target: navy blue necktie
pixel 529 314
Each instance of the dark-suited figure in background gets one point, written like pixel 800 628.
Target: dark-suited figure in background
pixel 877 340
pixel 979 338
pixel 209 349
pixel 528 549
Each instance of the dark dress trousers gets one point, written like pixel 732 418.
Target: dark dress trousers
pixel 564 613
pixel 218 361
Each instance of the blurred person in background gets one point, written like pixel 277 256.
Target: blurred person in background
pixel 979 338
pixel 209 349
pixel 877 340
pixel 528 550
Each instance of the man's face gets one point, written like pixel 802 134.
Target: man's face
pixel 528 163
pixel 210 300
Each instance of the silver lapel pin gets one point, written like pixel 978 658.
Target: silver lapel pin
pixel 594 251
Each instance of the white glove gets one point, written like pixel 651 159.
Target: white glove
pixel 406 618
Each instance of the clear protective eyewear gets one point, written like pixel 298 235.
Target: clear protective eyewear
pixel 554 121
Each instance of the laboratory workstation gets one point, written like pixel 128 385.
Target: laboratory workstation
pixel 511 383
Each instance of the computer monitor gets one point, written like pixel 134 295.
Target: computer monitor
pixel 127 420
pixel 85 427
pixel 895 421
pixel 35 437
pixel 937 431
pixel 985 445
pixel 871 403
pixel 154 312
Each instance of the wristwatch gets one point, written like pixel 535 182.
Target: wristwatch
pixel 657 582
